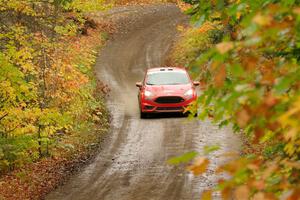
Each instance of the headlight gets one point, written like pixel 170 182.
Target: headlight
pixel 148 95
pixel 189 94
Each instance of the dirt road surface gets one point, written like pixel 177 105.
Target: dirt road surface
pixel 132 164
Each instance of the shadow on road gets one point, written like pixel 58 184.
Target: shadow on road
pixel 166 115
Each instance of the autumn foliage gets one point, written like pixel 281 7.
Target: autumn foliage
pixel 250 80
pixel 47 86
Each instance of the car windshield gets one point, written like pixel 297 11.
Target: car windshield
pixel 167 78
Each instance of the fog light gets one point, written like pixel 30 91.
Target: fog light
pixel 148 107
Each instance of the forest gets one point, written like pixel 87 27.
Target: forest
pixel 46 77
pixel 245 53
pixel 48 107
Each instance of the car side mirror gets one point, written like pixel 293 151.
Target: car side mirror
pixel 196 83
pixel 138 84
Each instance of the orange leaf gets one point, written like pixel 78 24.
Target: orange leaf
pixel 242 192
pixel 226 194
pixel 224 47
pixel 263 196
pixel 259 184
pixel 242 118
pixel 259 196
pixel 249 62
pixel 258 132
pixel 220 76
pixel 297 10
pixel 206 195
pixel 295 195
pixel 199 166
pixel 269 171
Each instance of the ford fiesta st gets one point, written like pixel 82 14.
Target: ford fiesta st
pixel 165 90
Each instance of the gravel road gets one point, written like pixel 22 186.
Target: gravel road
pixel 132 164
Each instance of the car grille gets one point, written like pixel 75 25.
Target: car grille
pixel 169 108
pixel 169 99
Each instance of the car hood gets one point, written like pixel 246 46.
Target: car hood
pixel 168 90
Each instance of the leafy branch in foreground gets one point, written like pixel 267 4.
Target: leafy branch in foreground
pixel 251 78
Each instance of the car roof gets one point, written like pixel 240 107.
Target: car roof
pixel 157 69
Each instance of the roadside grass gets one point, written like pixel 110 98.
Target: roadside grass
pixel 192 42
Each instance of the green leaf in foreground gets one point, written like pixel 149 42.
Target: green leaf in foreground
pixel 183 158
pixel 210 149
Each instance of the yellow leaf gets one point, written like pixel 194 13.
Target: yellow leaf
pixel 290 148
pixel 23 105
pixel 206 195
pixel 180 28
pixel 238 15
pixel 199 166
pixel 291 134
pixel 262 20
pixel 259 196
pixel 230 154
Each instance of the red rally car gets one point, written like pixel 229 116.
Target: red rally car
pixel 167 89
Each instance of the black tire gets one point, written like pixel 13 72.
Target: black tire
pixel 143 115
pixel 186 114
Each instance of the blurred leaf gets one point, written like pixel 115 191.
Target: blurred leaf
pixel 199 166
pixel 211 148
pixel 206 195
pixel 242 193
pixel 224 47
pixel 187 157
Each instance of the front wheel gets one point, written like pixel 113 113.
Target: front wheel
pixel 143 115
pixel 187 114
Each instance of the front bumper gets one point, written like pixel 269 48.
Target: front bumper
pixel 148 106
